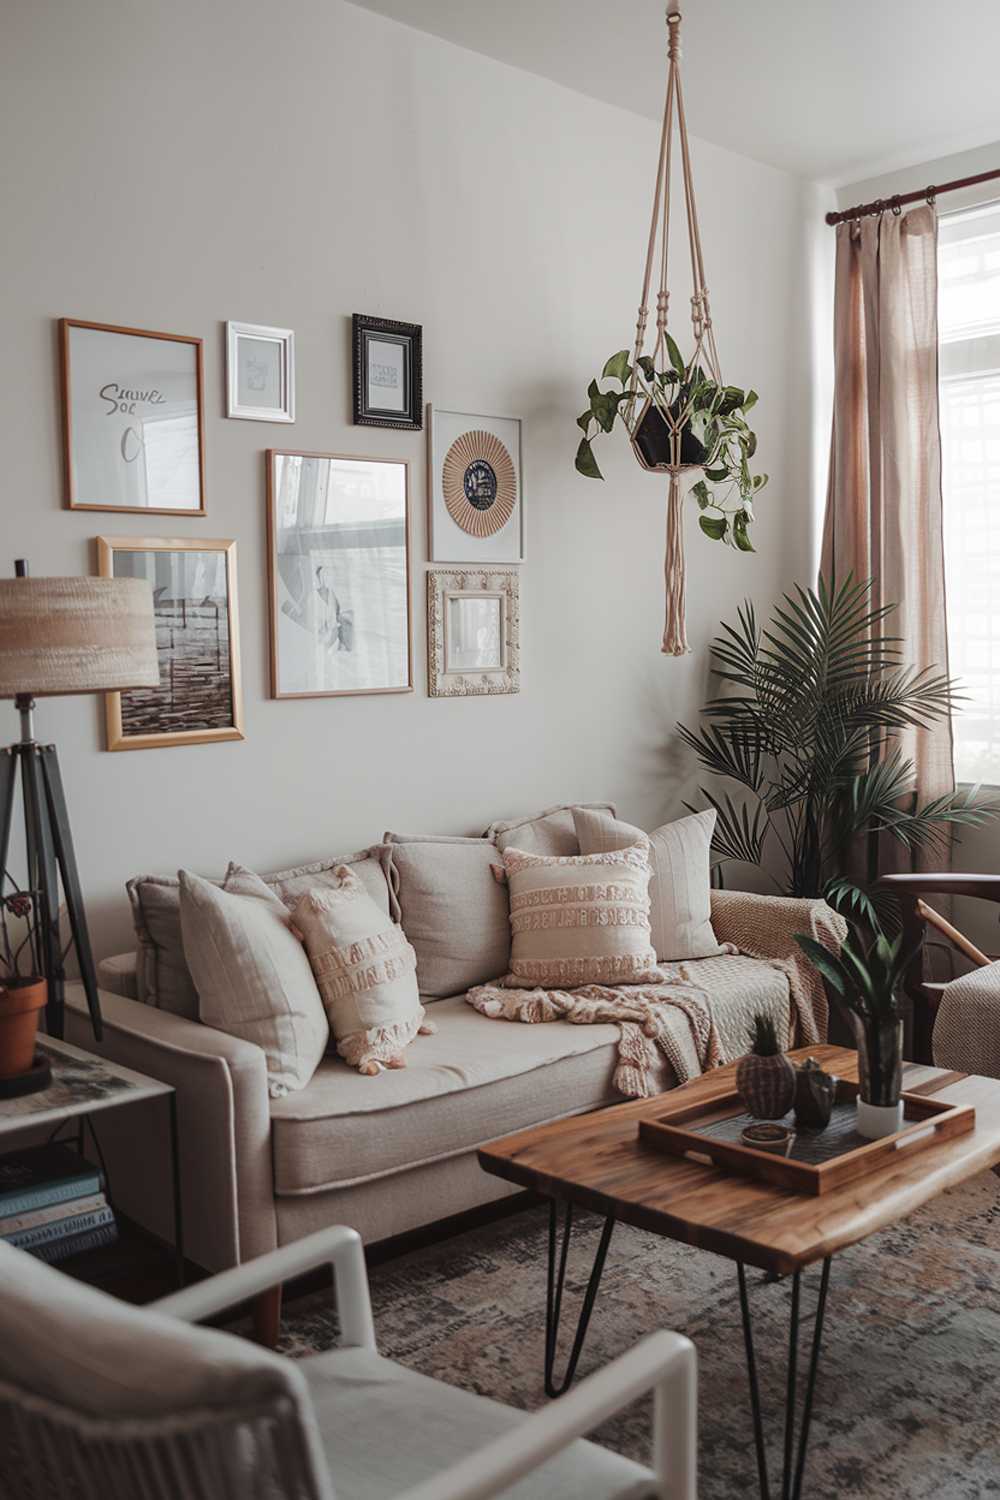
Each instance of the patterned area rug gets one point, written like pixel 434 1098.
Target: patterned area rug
pixel 906 1401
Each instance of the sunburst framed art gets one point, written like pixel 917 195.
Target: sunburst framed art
pixel 475 492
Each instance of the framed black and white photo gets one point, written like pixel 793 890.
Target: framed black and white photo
pixel 473 632
pixel 474 491
pixel 260 371
pixel 133 419
pixel 388 377
pixel 339 563
pixel 199 699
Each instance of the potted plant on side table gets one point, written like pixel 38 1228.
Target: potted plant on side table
pixel 867 981
pixel 22 989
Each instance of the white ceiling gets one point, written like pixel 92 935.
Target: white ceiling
pixel 836 90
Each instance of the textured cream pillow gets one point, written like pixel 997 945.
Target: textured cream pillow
pixel 452 910
pixel 366 972
pixel 580 919
pixel 680 910
pixel 252 974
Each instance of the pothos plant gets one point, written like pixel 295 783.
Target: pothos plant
pixel 714 435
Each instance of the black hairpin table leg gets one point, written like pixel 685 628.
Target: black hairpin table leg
pixel 554 1292
pixel 794 1460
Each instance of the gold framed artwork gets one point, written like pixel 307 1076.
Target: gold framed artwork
pixel 338 534
pixel 474 489
pixel 133 419
pixel 199 700
pixel 473 632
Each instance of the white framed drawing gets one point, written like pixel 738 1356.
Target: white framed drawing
pixel 133 419
pixel 339 565
pixel 260 372
pixel 473 632
pixel 474 488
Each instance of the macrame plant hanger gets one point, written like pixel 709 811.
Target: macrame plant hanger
pixel 704 352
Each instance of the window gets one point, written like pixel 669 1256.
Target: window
pixel 969 325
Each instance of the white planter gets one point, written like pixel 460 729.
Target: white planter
pixel 878 1120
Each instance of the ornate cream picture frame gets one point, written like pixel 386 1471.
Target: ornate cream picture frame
pixel 473 632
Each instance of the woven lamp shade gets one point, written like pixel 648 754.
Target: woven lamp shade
pixel 76 635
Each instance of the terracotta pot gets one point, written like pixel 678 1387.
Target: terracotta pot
pixel 19 1008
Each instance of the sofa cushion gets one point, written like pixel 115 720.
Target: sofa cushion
pixel 474 1080
pixel 549 832
pixel 365 970
pixel 478 1079
pixel 252 973
pixel 163 978
pixel 680 890
pixel 452 909
pixel 580 919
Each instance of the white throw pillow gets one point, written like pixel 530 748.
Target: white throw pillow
pixel 366 972
pixel 680 900
pixel 580 919
pixel 252 974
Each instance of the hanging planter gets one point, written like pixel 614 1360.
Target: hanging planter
pixel 679 413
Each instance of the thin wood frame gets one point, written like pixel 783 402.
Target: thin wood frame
pixel 272 573
pixel 65 324
pixel 116 739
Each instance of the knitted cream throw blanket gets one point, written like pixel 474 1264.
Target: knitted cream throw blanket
pixel 749 926
pixel 640 1011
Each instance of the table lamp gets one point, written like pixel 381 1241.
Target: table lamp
pixel 60 636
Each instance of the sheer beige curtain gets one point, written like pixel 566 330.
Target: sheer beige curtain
pixel 883 508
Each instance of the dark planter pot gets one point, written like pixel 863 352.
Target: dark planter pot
pixel 20 1004
pixel 652 441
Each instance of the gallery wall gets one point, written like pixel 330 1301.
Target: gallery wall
pixel 171 167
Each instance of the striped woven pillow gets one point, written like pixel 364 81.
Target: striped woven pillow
pixel 581 918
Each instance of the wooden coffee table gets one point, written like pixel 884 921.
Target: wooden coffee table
pixel 597 1162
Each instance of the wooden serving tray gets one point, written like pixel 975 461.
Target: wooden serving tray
pixel 819 1160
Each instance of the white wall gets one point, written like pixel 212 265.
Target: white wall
pixel 169 167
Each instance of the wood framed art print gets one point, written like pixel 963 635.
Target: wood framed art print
pixel 199 699
pixel 339 565
pixel 133 420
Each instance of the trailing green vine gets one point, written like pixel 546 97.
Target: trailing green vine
pixel 715 435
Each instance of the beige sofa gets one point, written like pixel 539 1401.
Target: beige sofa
pixel 392 1153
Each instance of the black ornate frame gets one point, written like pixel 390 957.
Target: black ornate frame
pixel 410 336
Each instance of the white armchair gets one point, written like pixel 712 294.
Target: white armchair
pixel 109 1402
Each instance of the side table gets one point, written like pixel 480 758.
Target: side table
pixel 82 1086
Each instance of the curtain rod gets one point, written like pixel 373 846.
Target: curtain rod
pixel 879 205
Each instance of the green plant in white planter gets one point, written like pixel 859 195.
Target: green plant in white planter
pixel 867 981
pixel 678 418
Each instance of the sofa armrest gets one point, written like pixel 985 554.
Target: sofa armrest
pixel 765 926
pixel 224 1129
pixel 119 975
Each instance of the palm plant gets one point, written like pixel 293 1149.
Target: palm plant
pixel 808 729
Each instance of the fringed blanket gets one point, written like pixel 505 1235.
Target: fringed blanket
pixel 699 1016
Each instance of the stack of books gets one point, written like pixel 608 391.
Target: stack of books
pixel 52 1203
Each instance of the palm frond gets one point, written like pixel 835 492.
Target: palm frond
pixel 877 908
pixel 739 833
